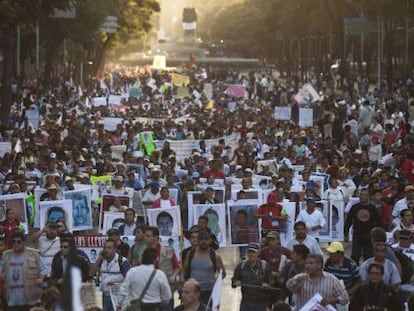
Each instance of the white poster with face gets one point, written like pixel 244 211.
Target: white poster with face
pixel 54 211
pixel 116 203
pixel 81 208
pixel 216 214
pixel 167 220
pixel 16 202
pixel 112 220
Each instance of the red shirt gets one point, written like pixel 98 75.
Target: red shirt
pixel 266 209
pixel 8 227
pixel 218 174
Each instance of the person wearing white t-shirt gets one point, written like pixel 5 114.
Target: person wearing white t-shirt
pixel 312 217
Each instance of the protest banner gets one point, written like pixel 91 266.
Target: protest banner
pixel 180 80
pixel 283 113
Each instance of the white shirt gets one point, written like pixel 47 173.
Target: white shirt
pixel 48 249
pixel 312 220
pixel 135 281
pixel 399 206
pixel 309 241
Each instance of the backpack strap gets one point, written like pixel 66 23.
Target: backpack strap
pixel 144 291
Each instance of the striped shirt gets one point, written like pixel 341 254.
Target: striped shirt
pixel 327 286
pixel 348 272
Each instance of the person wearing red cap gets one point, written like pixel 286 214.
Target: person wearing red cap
pixel 273 214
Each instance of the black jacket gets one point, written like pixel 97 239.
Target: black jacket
pixel 375 297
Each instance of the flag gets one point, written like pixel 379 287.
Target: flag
pixel 59 120
pixel 147 142
pixel 18 147
pixel 216 293
pixel 210 105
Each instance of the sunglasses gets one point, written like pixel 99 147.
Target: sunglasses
pixel 17 241
pixel 64 246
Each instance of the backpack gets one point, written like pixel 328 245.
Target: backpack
pixel 262 262
pixel 212 253
pixel 406 266
pixel 120 263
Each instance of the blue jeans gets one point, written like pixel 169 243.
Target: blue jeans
pixel 248 305
pixel 107 302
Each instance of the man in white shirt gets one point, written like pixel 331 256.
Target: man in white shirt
pixel 48 243
pixel 158 292
pixel 312 217
pixel 302 238
pixel 402 204
pixel 405 244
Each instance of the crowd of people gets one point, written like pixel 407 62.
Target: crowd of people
pixel 360 141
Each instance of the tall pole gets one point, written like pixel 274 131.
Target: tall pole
pixel 18 52
pixel 81 74
pixel 379 50
pixel 37 50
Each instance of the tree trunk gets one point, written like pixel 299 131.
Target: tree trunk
pixel 6 46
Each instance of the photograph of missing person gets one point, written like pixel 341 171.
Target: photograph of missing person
pixel 81 208
pixel 17 202
pixel 243 226
pixel 216 214
pixel 54 211
pixel 167 220
pixel 112 220
pixel 114 203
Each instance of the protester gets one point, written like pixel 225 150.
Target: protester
pixel 315 280
pixel 158 292
pixel 24 271
pixel 254 276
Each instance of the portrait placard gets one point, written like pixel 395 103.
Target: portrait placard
pixel 53 211
pixel 81 208
pixel 111 202
pixel 167 220
pixel 216 214
pixel 112 220
pixel 243 225
pixel 17 202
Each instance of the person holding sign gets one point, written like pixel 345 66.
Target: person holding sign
pixel 273 215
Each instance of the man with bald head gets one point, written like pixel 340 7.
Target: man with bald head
pixel 190 297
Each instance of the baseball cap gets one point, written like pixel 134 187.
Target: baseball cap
pixel 210 188
pixel 253 247
pixel 409 188
pixel 52 155
pixel 68 178
pixel 335 247
pixel 404 234
pixel 113 231
pixel 311 198
pixel 248 170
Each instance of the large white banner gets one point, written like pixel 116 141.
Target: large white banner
pixel 183 148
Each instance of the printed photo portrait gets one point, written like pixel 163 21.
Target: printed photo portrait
pixel 81 208
pixel 99 186
pixel 167 220
pixel 243 226
pixel 17 202
pixel 114 203
pixel 112 220
pixel 216 214
pixel 54 211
